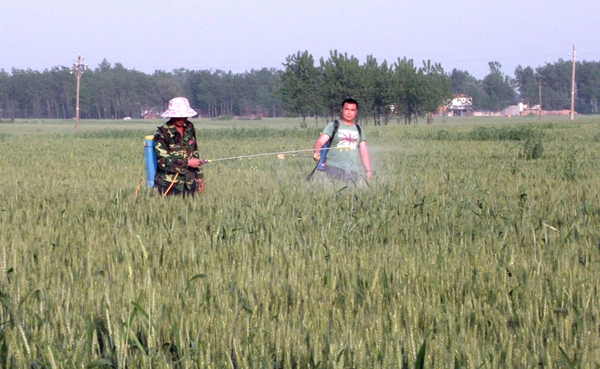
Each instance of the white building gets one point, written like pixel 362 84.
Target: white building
pixel 460 106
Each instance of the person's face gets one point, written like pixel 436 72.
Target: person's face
pixel 349 112
pixel 178 122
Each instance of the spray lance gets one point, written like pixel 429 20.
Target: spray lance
pixel 280 154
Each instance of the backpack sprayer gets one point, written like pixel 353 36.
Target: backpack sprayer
pixel 150 159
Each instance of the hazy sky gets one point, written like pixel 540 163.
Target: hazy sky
pixel 240 35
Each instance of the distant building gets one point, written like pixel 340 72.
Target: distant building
pixel 460 106
pixel 486 113
pixel 535 110
pixel 513 110
pixel 150 114
pixel 524 110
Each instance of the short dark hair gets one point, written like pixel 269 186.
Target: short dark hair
pixel 350 101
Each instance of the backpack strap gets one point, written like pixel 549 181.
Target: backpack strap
pixel 336 126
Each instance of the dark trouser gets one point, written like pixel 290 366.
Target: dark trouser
pixel 340 174
pixel 175 192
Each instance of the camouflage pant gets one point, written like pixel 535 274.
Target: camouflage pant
pixel 175 192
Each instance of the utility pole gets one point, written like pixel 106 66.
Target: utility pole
pixel 77 70
pixel 573 86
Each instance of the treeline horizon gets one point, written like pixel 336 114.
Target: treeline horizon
pixel 303 87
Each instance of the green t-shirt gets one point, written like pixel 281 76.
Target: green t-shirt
pixel 346 139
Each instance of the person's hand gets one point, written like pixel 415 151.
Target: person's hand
pixel 199 185
pixel 317 156
pixel 369 174
pixel 194 163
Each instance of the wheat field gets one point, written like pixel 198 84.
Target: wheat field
pixel 476 245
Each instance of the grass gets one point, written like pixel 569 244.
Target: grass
pixel 461 252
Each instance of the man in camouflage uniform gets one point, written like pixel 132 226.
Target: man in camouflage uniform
pixel 178 171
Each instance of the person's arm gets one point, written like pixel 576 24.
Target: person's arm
pixel 364 157
pixel 322 140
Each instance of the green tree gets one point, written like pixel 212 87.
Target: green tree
pixel 376 86
pixel 4 94
pixel 557 84
pixel 588 88
pixel 404 89
pixel 527 84
pixel 56 80
pixel 203 85
pixel 260 92
pixel 166 87
pixel 342 78
pixel 98 84
pixel 498 88
pixel 299 85
pixel 26 90
pixel 435 88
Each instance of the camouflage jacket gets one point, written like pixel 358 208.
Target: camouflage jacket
pixel 172 153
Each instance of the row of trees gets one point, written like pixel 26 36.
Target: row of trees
pixel 303 87
pixel 382 89
pixel 218 93
pixel 555 80
pixel 115 92
pixel 551 83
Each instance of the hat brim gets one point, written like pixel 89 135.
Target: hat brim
pixel 179 113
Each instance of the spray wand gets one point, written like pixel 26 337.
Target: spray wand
pixel 280 154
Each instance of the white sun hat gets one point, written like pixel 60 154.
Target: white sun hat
pixel 179 107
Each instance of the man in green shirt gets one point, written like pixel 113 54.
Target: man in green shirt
pixel 342 164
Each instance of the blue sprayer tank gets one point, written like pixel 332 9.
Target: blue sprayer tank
pixel 150 160
pixel 323 154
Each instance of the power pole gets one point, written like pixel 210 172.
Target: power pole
pixel 77 70
pixel 573 86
